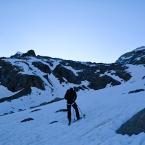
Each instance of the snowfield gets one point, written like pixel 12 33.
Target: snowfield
pixel 106 110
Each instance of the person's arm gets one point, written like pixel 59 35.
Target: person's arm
pixel 66 95
pixel 75 96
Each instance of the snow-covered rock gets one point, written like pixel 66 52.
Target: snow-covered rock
pixel 136 56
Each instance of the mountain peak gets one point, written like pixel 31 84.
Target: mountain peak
pixel 29 53
pixel 137 56
pixel 20 54
pixel 17 55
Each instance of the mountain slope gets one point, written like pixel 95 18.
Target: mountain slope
pixel 47 77
pixel 109 94
pixel 105 110
pixel 136 56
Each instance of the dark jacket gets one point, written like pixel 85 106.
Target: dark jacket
pixel 70 96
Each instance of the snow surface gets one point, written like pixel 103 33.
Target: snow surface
pixel 112 74
pixel 73 70
pixel 105 110
pixel 126 57
pixel 19 53
pixel 4 92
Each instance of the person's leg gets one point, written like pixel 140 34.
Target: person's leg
pixel 69 114
pixel 76 110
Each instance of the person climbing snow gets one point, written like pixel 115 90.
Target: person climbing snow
pixel 71 97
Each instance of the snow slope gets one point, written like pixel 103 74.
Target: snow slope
pixel 4 92
pixel 105 110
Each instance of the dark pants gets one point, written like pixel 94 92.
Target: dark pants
pixel 69 111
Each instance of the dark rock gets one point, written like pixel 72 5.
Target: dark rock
pixel 35 110
pixel 134 125
pixel 98 82
pixel 30 80
pixel 61 72
pixel 11 112
pixel 20 94
pixel 27 119
pixel 43 67
pixel 46 103
pixel 136 91
pixel 53 122
pixel 20 110
pixel 4 114
pixel 61 110
pixel 101 82
pixel 74 64
pixel 24 81
pixel 87 72
pixel 8 75
pixel 120 71
pixel 15 81
pixel 29 53
pixel 52 101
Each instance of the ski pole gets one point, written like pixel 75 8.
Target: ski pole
pixel 81 112
pixel 74 114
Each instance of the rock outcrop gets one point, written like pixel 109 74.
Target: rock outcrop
pixel 134 125
pixel 29 53
pixel 136 57
pixel 11 78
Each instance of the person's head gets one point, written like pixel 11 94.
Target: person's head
pixel 71 89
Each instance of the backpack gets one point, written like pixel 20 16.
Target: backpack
pixel 70 96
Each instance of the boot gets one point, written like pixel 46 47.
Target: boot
pixel 69 123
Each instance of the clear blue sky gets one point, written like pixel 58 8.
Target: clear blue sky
pixel 86 30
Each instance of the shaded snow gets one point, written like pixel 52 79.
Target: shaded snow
pixel 105 111
pixel 36 98
pixel 137 71
pixel 4 92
